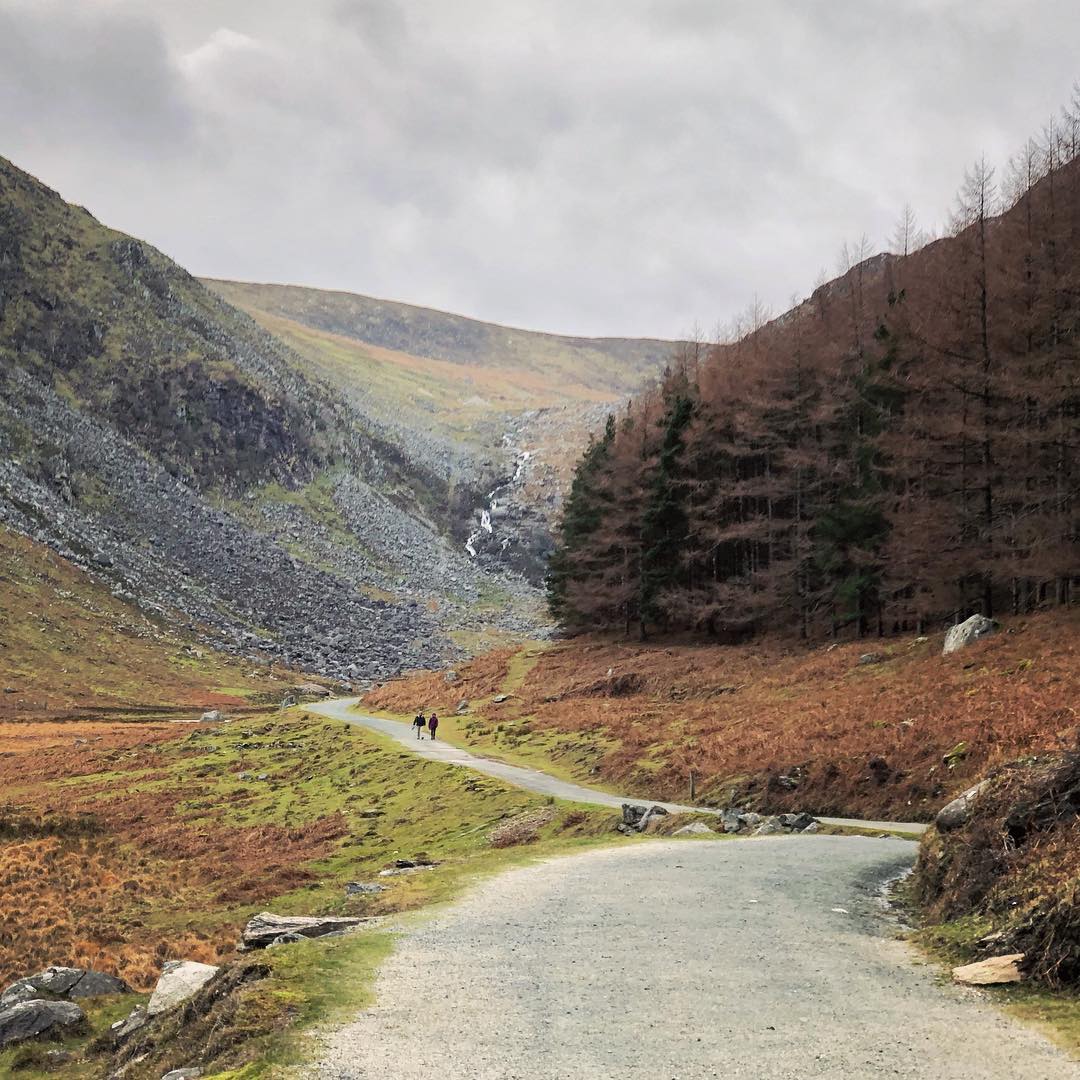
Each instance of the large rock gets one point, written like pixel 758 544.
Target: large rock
pixel 266 927
pixel 730 821
pixel 797 822
pixel 63 982
pixel 695 828
pixel 992 972
pixel 27 1019
pixel 956 814
pixel 978 626
pixel 180 980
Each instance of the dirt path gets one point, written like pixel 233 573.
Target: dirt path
pixel 760 959
pixel 532 779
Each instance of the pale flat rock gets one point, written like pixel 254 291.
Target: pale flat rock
pixel 266 927
pixel 180 980
pixel 963 634
pixel 992 972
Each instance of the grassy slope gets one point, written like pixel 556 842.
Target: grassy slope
pixel 609 366
pixel 66 642
pixel 860 740
pixel 161 842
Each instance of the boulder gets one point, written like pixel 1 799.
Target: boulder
pixel 266 927
pixel 963 634
pixel 731 821
pixel 363 888
pixel 769 827
pixel 450 677
pixel 796 822
pixel 750 820
pixel 462 707
pixel 498 699
pixel 180 980
pixel 991 972
pixel 211 717
pixel 63 982
pixel 651 820
pixel 183 1074
pixel 632 814
pixel 956 814
pixel 871 658
pixel 311 689
pixel 695 828
pixel 27 1019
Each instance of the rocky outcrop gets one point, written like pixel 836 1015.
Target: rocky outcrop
pixel 266 928
pixel 179 981
pixel 956 814
pixel 963 634
pixel 63 982
pixel 29 1019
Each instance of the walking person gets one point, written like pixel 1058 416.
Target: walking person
pixel 418 723
pixel 433 726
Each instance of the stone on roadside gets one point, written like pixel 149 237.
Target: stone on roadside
pixel 211 717
pixel 992 972
pixel 179 980
pixel 28 1019
pixel 796 822
pixel 731 821
pixel 963 634
pixel 956 814
pixel 266 927
pixel 769 827
pixel 750 820
pixel 695 828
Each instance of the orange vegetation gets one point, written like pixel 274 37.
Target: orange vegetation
pixel 777 726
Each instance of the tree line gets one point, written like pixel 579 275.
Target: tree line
pixel 898 451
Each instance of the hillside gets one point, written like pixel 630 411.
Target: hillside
pixel 897 452
pixel 462 398
pixel 162 441
pixel 606 367
pixel 832 730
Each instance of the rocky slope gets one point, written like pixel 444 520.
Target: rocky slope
pixel 163 441
pixel 507 410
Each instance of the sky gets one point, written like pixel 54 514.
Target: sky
pixel 615 167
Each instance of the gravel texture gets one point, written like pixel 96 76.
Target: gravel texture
pixel 680 959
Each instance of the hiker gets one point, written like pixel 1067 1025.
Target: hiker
pixel 433 725
pixel 418 723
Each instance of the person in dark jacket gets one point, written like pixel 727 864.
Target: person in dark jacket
pixel 433 725
pixel 418 723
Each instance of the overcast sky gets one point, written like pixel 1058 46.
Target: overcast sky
pixel 585 166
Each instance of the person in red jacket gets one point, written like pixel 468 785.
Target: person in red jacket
pixel 433 725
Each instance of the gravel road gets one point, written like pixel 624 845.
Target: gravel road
pixel 532 779
pixel 760 959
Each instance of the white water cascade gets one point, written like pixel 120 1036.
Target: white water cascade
pixel 521 461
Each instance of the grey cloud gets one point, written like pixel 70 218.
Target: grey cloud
pixel 610 166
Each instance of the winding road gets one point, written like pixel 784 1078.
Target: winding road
pixel 689 959
pixel 532 779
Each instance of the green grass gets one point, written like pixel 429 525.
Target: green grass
pixel 390 805
pixel 1055 1013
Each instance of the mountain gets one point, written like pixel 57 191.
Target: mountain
pixel 462 398
pixel 160 439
